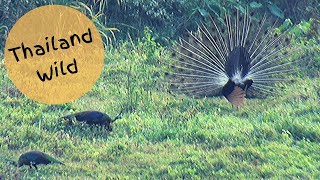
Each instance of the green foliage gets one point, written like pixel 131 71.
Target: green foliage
pixel 141 69
pixel 275 10
pixel 169 19
pixel 306 36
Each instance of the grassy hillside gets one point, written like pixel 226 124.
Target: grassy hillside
pixel 163 134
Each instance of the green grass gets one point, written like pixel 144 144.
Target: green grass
pixel 163 135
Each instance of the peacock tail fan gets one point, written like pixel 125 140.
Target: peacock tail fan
pixel 237 58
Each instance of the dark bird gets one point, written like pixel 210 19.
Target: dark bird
pixel 94 118
pixel 34 158
pixel 235 57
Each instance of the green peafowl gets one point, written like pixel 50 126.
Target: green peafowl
pixel 34 158
pixel 236 58
pixel 94 118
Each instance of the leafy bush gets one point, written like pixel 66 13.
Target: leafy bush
pixel 307 37
pixel 170 18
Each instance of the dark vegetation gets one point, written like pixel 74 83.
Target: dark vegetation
pixel 168 19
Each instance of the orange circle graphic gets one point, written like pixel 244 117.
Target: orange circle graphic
pixel 54 54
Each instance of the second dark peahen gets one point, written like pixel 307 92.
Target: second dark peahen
pixel 94 118
pixel 34 158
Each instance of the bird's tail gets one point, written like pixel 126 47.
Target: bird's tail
pixel 118 116
pixel 53 160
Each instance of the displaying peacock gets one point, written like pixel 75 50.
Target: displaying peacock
pixel 235 57
pixel 93 118
pixel 34 158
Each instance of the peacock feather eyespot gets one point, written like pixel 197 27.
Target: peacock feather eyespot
pixel 235 58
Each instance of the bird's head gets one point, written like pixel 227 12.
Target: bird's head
pixel 22 161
